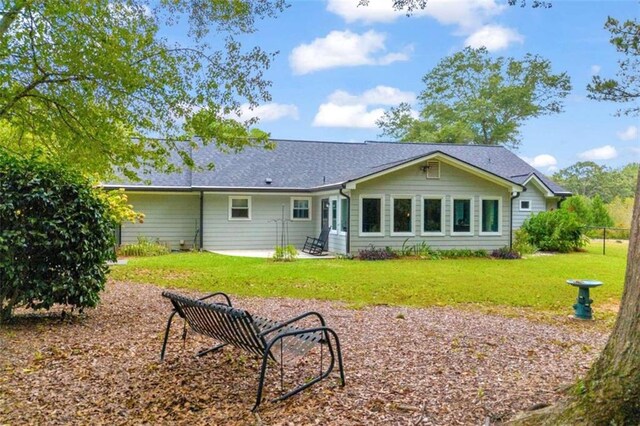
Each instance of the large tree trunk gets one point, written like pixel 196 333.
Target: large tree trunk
pixel 610 393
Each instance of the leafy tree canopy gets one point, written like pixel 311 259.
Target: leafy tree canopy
pixel 90 81
pixel 591 179
pixel 471 97
pixel 625 37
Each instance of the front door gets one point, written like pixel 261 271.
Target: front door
pixel 325 217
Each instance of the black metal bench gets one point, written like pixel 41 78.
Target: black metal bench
pixel 270 340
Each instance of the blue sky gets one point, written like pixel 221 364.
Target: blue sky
pixel 341 65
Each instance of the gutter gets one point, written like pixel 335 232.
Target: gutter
pixel 348 217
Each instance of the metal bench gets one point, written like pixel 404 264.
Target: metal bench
pixel 271 340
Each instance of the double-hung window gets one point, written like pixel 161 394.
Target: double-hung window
pixel 300 208
pixel 371 215
pixel 239 208
pixel 402 215
pixel 462 216
pixel 432 215
pixel 490 223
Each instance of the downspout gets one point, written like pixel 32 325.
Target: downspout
pixel 201 220
pixel 513 197
pixel 348 218
pixel 560 201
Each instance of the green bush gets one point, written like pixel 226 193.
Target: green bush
pixel 143 247
pixel 555 230
pixel 285 254
pixel 522 243
pixel 55 238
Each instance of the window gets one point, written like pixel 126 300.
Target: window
pixel 525 205
pixel 371 216
pixel 432 216
pixel 334 215
pixel 402 215
pixel 433 170
pixel 490 216
pixel 301 208
pixel 239 208
pixel 344 214
pixel 462 216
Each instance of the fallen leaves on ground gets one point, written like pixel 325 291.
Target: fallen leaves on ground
pixel 436 366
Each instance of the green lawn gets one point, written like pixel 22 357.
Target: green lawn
pixel 537 282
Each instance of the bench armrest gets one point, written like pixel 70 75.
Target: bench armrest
pixel 218 294
pixel 292 320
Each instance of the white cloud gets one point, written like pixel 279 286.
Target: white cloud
pixel 344 49
pixel 542 160
pixel 379 95
pixel 269 112
pixel 494 38
pixel 344 109
pixel 628 134
pixel 595 69
pixel 464 13
pixel 606 152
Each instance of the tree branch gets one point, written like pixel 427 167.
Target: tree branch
pixel 9 16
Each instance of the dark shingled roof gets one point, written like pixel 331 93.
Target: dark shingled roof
pixel 310 165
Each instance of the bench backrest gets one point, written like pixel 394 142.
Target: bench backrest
pixel 221 322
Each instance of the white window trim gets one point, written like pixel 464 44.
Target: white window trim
pixel 525 210
pixel 340 220
pixel 413 215
pixel 499 215
pixel 471 213
pixel 331 200
pixel 310 208
pixel 371 234
pixel 442 215
pixel 240 197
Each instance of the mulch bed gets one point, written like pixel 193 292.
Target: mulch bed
pixel 403 366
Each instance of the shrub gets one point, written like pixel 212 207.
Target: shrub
pixel 285 254
pixel 461 253
pixel 556 230
pixel 372 253
pixel 55 238
pixel 581 206
pixel 522 243
pixel 505 253
pixel 143 247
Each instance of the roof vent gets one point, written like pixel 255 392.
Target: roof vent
pixel 268 181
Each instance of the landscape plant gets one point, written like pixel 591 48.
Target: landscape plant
pixel 555 230
pixel 286 253
pixel 55 239
pixel 143 247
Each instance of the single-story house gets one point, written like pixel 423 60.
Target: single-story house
pixel 369 193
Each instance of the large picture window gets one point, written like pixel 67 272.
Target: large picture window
pixel 402 215
pixel 462 216
pixel 301 208
pixel 432 216
pixel 490 216
pixel 371 219
pixel 239 208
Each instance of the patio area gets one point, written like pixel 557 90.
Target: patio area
pixel 267 254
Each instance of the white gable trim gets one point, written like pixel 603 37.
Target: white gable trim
pixel 514 187
pixel 541 186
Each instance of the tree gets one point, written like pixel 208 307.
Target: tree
pixel 89 83
pixel 625 36
pixel 471 97
pixel 590 179
pixel 55 238
pixel 599 214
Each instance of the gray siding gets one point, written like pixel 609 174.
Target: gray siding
pixel 259 233
pixel 453 182
pixel 169 217
pixel 538 204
